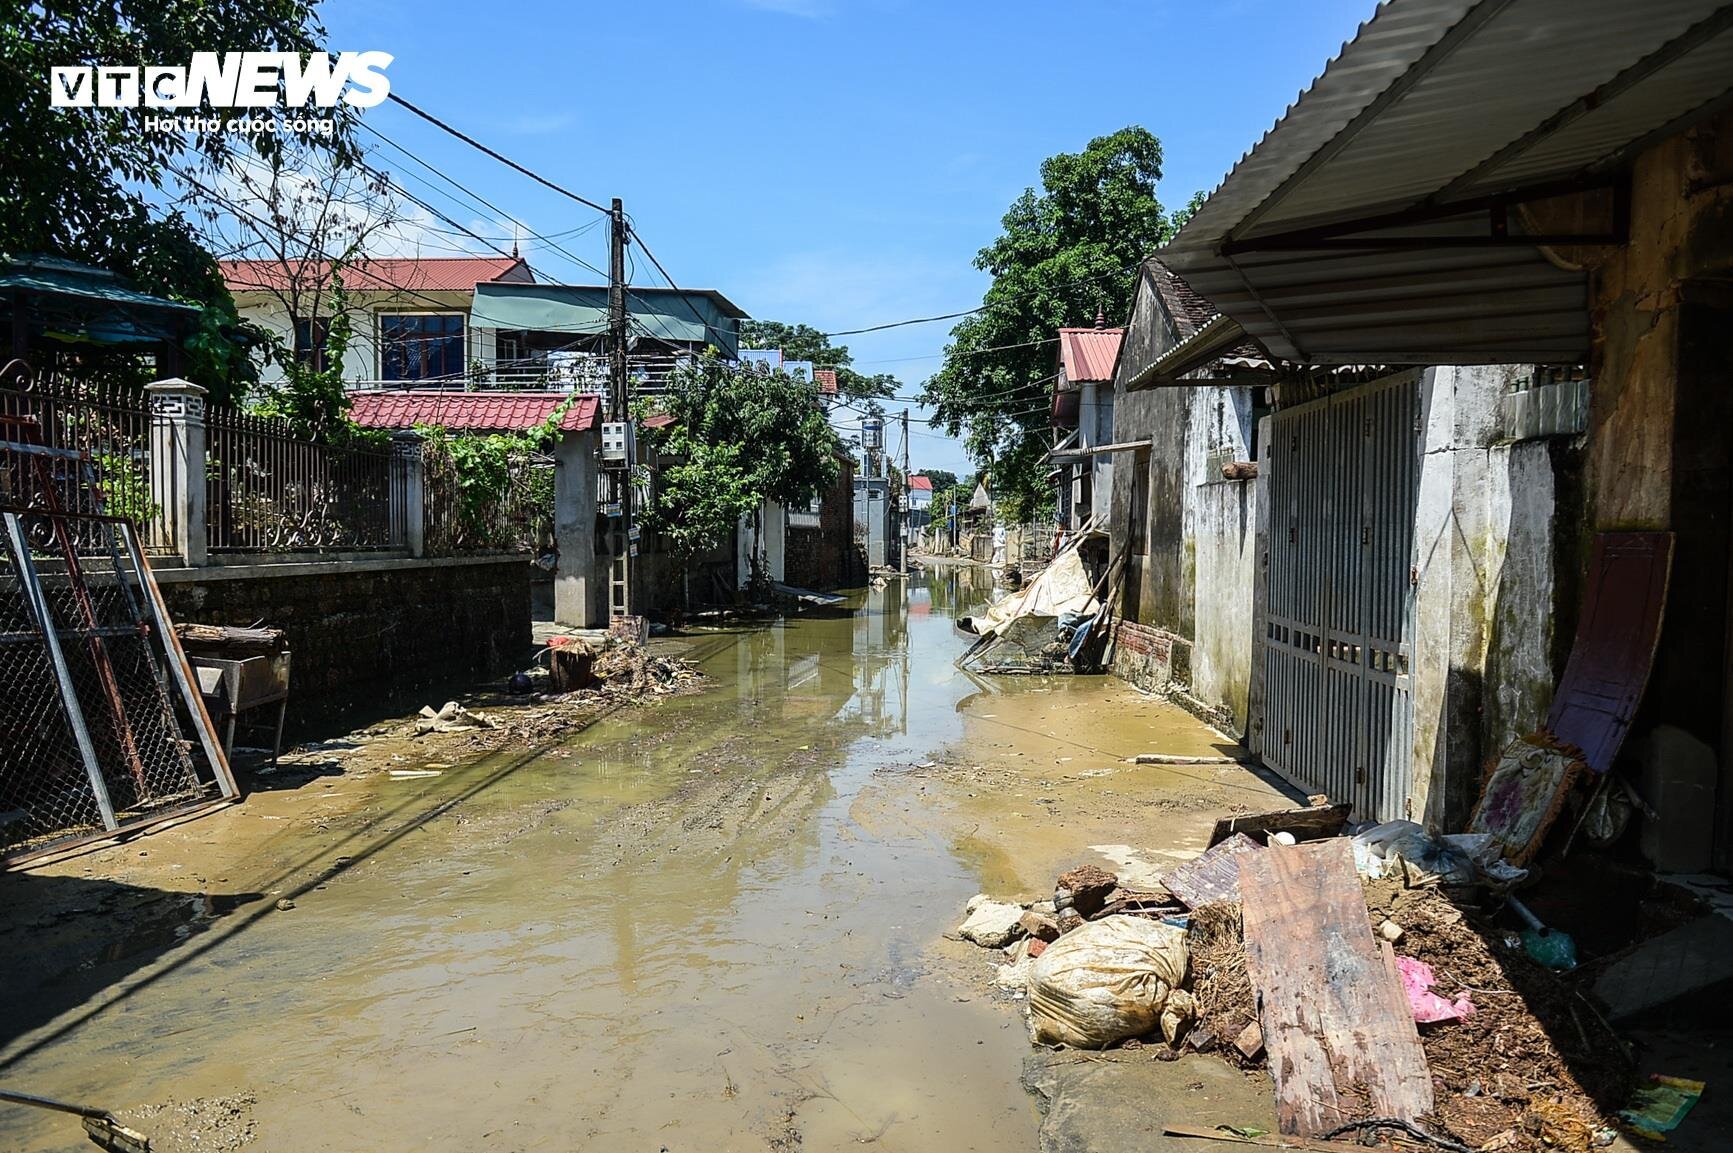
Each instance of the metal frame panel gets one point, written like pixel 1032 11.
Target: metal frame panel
pixel 1339 612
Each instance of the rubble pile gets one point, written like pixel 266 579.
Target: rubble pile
pixel 625 669
pixel 1390 1002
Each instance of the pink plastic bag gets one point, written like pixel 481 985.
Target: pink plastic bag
pixel 1429 1007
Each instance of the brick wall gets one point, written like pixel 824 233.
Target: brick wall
pixel 370 635
pixel 1152 659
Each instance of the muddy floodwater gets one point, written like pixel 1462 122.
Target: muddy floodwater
pixel 714 922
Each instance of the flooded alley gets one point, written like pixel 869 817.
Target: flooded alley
pixel 713 922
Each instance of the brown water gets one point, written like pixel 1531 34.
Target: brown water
pixel 710 924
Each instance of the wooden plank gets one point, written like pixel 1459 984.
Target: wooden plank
pixel 1337 1026
pixel 1213 877
pixel 1306 824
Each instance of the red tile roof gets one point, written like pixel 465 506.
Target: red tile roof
pixel 923 483
pixel 426 274
pixel 471 411
pixel 1089 353
pixel 826 380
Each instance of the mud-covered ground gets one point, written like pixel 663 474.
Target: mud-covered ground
pixel 710 921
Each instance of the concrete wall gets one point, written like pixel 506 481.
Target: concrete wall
pixel 581 581
pixel 1492 590
pixel 368 634
pixel 1226 532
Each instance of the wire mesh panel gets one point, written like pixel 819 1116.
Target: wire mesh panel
pixel 44 787
pixel 90 734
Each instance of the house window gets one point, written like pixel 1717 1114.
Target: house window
pixel 1140 505
pixel 421 345
pixel 311 337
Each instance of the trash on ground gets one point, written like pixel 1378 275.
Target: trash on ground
pixel 1429 1008
pixel 1109 980
pixel 451 718
pixel 1213 877
pixel 1658 1107
pixel 1524 795
pixel 1310 823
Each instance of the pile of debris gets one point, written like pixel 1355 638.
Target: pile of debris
pixel 615 668
pixel 1056 622
pixel 1366 972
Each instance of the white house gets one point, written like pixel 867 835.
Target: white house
pixel 412 318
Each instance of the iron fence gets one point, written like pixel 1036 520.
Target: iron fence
pixel 269 491
pixel 103 429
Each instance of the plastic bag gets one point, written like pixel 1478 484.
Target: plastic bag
pixel 1104 982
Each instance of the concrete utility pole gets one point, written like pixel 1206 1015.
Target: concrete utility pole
pixel 908 536
pixel 620 416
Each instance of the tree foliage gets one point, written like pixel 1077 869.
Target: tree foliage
pixel 803 342
pixel 1065 253
pixel 738 438
pixel 75 183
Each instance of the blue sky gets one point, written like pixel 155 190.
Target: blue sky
pixel 833 162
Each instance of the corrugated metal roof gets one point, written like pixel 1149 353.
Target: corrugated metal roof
pixel 1437 102
pixel 423 274
pixel 698 316
pixel 1089 353
pixel 471 411
pixel 921 483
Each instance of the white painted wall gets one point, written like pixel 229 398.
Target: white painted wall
pixel 361 361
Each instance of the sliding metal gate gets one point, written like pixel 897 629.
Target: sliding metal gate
pixel 1344 483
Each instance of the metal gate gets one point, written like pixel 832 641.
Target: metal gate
pixel 1339 602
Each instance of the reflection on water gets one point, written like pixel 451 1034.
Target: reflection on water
pixel 676 931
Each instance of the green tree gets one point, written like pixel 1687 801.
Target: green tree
pixel 79 183
pixel 1066 252
pixel 738 438
pixel 803 342
pixel 942 479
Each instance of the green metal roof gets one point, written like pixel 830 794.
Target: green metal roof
pixel 75 302
pixel 52 276
pixel 695 316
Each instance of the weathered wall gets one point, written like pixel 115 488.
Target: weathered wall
pixel 370 633
pixel 1227 535
pixel 1489 595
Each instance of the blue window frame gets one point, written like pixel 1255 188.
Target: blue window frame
pixel 420 345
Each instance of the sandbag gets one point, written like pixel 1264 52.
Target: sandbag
pixel 1104 982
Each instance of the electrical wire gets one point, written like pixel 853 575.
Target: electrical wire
pixel 505 160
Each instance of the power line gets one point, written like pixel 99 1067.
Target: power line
pixel 505 160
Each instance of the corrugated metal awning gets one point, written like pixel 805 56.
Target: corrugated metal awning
pixel 1400 210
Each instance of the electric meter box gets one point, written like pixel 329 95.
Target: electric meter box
pixel 618 443
pixel 872 432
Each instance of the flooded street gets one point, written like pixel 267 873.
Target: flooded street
pixel 716 922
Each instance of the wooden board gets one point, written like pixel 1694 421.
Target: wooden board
pixel 1306 824
pixel 1213 877
pixel 1341 1038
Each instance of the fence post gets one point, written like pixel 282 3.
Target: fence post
pixel 408 493
pixel 177 465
